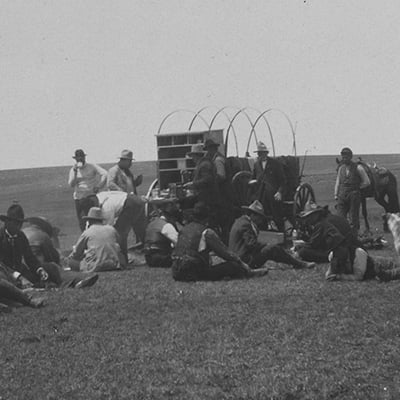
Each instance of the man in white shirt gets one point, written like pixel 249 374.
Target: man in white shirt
pixel 86 179
pixel 97 249
pixel 161 234
pixel 121 210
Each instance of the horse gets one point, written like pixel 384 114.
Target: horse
pixel 383 189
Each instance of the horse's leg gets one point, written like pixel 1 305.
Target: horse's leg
pixel 364 212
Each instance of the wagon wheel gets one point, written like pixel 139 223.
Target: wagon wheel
pixel 148 207
pixel 304 193
pixel 241 190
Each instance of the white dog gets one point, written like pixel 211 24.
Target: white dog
pixel 394 226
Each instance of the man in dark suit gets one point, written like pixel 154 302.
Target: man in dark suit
pixel 271 184
pixel 204 183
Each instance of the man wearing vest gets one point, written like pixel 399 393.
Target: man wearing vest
pixel 191 257
pixel 351 178
pixel 161 234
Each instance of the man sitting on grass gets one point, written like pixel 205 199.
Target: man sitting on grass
pixel 17 255
pixel 191 257
pixel 124 211
pixel 161 234
pixel 97 248
pixel 243 240
pixel 10 293
pixel 325 230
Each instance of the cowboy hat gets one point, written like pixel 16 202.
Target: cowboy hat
pixel 261 148
pixel 126 155
pixel 346 150
pixel 79 154
pixel 310 208
pixel 197 148
pixel 94 214
pixel 210 143
pixel 14 213
pixel 255 207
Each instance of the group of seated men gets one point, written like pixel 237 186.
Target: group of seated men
pixel 188 243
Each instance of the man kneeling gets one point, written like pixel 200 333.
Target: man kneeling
pixel 191 257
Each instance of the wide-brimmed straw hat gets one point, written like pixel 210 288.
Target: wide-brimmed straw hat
pixel 261 148
pixel 197 148
pixel 310 208
pixel 94 214
pixel 255 207
pixel 126 155
pixel 14 213
pixel 210 143
pixel 79 154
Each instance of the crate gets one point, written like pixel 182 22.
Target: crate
pixel 171 153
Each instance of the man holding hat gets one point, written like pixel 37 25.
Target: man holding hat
pixel 243 240
pixel 85 179
pixel 161 234
pixel 351 179
pixel 97 249
pixel 191 256
pixel 271 180
pixel 120 177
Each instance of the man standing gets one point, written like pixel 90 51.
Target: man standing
pixel 161 234
pixel 191 257
pixel 225 214
pixel 351 178
pixel 271 181
pixel 243 240
pixel 97 248
pixel 120 176
pixel 86 179
pixel 121 210
pixel 204 182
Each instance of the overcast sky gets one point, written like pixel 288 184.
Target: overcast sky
pixel 102 75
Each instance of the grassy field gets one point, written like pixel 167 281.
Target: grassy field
pixel 137 334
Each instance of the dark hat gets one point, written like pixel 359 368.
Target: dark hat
pixel 255 207
pixel 261 148
pixel 79 154
pixel 94 214
pixel 310 208
pixel 346 150
pixel 197 148
pixel 14 213
pixel 210 143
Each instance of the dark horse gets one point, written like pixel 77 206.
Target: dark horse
pixel 383 189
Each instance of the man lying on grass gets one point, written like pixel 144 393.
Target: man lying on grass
pixel 243 240
pixel 17 255
pixel 10 293
pixel 191 256
pixel 357 265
